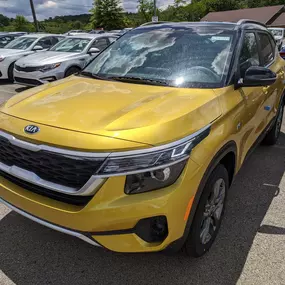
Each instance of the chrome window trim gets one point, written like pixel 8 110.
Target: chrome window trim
pixel 49 225
pixel 88 189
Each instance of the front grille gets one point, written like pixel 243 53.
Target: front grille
pixel 28 68
pixel 74 200
pixel 28 81
pixel 65 170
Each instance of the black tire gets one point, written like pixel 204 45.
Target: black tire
pixel 11 72
pixel 71 70
pixel 273 135
pixel 198 242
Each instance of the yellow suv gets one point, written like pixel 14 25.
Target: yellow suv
pixel 137 153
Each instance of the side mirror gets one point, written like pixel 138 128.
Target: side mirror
pixel 257 76
pixel 36 48
pixel 93 50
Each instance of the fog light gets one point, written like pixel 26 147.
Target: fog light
pixel 153 229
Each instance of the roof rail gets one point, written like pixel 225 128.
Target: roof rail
pixel 248 21
pixel 154 23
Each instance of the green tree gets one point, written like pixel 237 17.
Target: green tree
pixel 107 14
pixel 4 21
pixel 22 24
pixel 146 9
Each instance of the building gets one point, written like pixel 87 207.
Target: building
pixel 272 16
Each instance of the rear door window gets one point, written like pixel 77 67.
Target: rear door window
pixel 101 43
pixel 267 51
pixel 45 43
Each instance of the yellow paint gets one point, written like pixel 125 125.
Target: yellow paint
pixel 87 114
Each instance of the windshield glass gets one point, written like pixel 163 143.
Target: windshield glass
pixel 277 33
pixel 21 43
pixel 71 45
pixel 176 56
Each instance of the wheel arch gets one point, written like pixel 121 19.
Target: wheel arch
pixel 227 156
pixel 72 66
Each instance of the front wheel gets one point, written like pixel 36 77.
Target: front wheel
pixel 209 214
pixel 11 72
pixel 71 70
pixel 273 135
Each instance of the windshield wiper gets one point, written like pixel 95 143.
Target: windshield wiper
pixel 93 75
pixel 139 80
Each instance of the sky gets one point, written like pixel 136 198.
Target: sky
pixel 51 8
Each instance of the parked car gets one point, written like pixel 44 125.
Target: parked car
pixel 74 32
pixel 279 35
pixel 21 47
pixel 138 152
pixel 62 60
pixel 6 38
pixel 96 32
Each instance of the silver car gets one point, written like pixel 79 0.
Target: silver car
pixel 22 47
pixel 64 59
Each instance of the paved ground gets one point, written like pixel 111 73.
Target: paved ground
pixel 250 248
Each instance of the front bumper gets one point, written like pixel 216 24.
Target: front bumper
pixel 37 77
pixel 108 219
pixel 4 66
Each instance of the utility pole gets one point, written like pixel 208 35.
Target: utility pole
pixel 34 15
pixel 154 4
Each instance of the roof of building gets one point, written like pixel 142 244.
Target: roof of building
pixel 263 14
pixel 280 21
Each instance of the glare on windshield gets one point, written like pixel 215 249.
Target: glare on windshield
pixel 71 45
pixel 21 43
pixel 178 56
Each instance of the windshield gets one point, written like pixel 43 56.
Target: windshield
pixel 277 33
pixel 184 57
pixel 71 45
pixel 21 43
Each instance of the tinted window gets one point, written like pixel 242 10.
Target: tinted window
pixel 267 51
pixel 177 56
pixel 71 45
pixel 45 43
pixel 101 43
pixel 21 43
pixel 249 54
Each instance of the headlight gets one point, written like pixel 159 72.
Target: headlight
pixel 153 169
pixel 49 67
pixel 2 58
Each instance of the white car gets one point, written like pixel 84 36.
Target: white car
pixel 67 57
pixel 22 47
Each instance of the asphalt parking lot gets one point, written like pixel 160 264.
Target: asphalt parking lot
pixel 250 248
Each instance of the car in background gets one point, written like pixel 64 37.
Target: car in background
pixel 120 32
pixel 22 47
pixel 97 32
pixel 279 35
pixel 6 38
pixel 74 32
pixel 62 60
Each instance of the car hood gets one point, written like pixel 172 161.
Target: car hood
pixel 11 52
pixel 46 57
pixel 141 113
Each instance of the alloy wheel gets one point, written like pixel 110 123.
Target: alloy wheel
pixel 213 211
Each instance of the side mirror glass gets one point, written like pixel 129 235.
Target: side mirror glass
pixel 38 48
pixel 257 76
pixel 93 50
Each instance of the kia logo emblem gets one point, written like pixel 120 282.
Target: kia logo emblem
pixel 31 129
